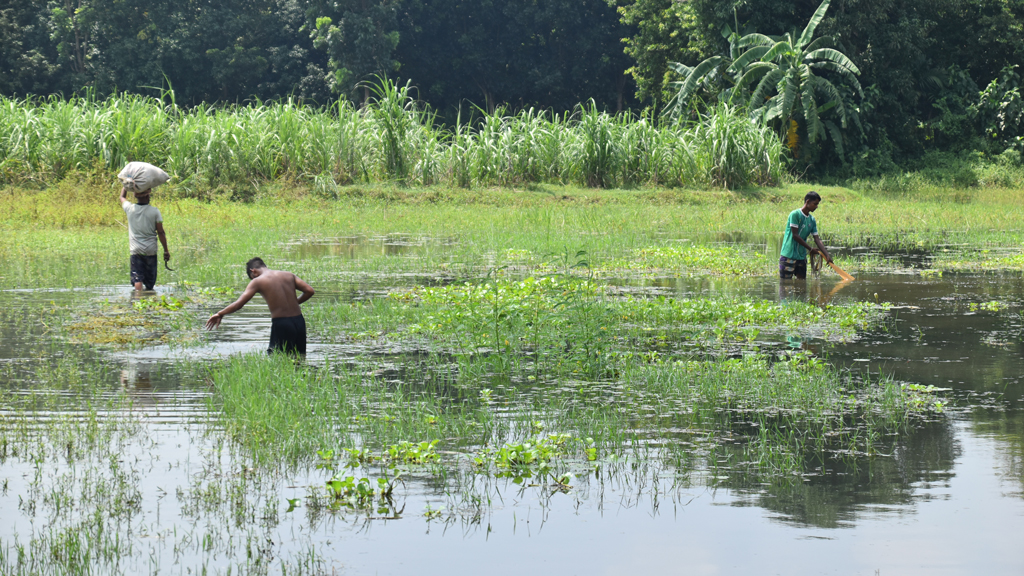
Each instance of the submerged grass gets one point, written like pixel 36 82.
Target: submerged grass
pixel 791 417
pixel 78 491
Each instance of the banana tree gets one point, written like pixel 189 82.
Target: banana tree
pixel 709 73
pixel 778 80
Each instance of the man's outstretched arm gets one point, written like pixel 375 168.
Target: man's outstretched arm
pixel 235 306
pixel 124 196
pixel 307 290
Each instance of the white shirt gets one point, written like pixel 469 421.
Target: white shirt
pixel 142 220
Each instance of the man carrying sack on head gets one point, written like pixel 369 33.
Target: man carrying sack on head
pixel 145 224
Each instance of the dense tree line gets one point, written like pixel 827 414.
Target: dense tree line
pixel 936 74
pixel 487 52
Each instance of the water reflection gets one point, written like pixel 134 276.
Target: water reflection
pixel 358 246
pixel 1007 428
pixel 842 494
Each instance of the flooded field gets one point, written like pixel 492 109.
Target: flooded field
pixel 592 422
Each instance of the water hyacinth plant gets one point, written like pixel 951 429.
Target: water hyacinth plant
pixel 392 139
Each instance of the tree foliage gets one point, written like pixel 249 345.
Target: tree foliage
pixel 519 52
pixel 665 31
pixel 789 66
pixel 904 49
pixel 359 36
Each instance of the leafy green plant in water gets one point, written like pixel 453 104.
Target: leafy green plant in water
pixel 585 317
pixel 164 302
pixel 432 513
pixel 360 457
pixel 413 452
pixel 505 316
pixel 361 493
pixel 357 493
pixel 538 451
pixel 521 460
pixel 500 312
pixel 924 398
pixel 565 323
pixel 590 448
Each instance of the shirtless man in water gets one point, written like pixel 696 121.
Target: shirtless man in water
pixel 288 327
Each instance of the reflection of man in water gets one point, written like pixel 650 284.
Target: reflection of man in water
pixel 288 327
pixel 145 225
pixel 800 226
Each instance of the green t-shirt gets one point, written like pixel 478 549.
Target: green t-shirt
pixel 805 226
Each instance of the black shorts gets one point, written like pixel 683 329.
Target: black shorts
pixel 288 335
pixel 144 270
pixel 789 268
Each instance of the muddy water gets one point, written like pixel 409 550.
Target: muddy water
pixel 950 500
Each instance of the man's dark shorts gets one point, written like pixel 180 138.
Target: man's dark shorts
pixel 288 335
pixel 144 270
pixel 789 268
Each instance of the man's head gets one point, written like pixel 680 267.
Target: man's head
pixel 254 265
pixel 811 201
pixel 142 197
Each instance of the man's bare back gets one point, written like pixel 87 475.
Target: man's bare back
pixel 278 289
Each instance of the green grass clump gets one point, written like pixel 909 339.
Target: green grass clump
pixel 804 409
pixel 270 401
pixel 277 409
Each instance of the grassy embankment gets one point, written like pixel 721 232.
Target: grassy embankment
pixel 72 234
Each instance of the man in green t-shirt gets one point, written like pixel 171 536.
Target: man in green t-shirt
pixel 800 226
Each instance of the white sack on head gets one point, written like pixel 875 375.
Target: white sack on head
pixel 142 176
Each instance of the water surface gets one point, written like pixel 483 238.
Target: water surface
pixel 948 500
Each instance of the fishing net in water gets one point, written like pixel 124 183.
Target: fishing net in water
pixel 142 176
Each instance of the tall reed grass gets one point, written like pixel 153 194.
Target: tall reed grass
pixel 393 139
